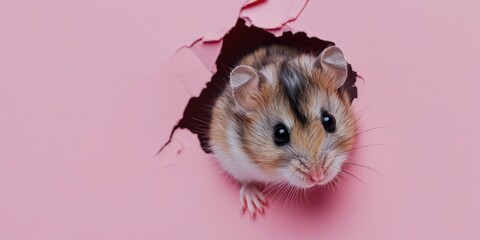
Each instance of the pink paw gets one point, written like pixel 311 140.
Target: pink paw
pixel 252 199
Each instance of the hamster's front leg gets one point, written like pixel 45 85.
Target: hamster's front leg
pixel 251 199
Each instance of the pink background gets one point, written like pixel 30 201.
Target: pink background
pixel 90 89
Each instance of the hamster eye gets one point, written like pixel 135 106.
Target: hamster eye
pixel 281 135
pixel 328 121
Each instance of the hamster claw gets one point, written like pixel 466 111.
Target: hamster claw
pixel 251 199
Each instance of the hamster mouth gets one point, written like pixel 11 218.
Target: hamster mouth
pixel 310 184
pixel 308 180
pixel 304 181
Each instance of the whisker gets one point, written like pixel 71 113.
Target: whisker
pixel 351 174
pixel 297 198
pixel 279 191
pixel 358 148
pixel 200 120
pixel 355 134
pixel 341 181
pixel 364 166
pixel 287 188
pixel 287 200
pixel 302 197
pixel 271 189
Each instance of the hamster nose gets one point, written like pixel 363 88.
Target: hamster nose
pixel 317 176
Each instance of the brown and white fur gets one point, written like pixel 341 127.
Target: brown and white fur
pixel 277 84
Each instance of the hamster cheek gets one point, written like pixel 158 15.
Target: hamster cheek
pixel 291 175
pixel 334 168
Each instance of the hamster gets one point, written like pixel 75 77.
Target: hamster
pixel 283 118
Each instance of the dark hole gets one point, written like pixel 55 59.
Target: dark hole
pixel 238 42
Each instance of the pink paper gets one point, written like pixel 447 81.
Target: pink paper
pixel 90 90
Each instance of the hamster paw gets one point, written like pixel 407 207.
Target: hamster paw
pixel 251 199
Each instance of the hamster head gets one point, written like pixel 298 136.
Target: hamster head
pixel 297 125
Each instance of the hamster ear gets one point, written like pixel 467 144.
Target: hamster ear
pixel 245 82
pixel 333 61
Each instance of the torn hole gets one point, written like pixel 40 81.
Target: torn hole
pixel 242 39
